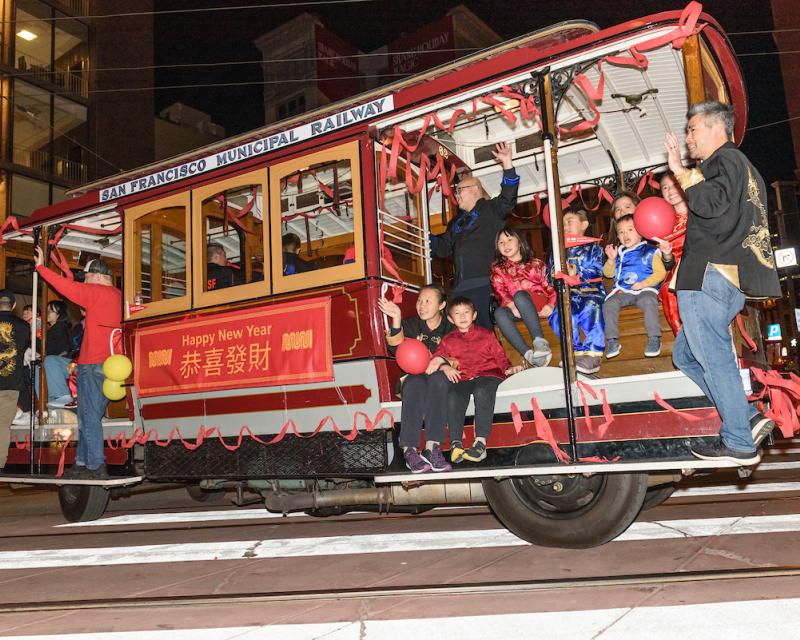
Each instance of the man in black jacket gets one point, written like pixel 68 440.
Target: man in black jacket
pixel 15 336
pixel 727 257
pixel 470 236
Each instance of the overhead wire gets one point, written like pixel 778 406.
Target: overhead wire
pixel 136 14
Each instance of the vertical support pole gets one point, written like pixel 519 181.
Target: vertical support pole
pixel 559 251
pixel 34 296
pixel 693 66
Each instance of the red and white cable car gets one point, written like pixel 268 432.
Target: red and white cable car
pixel 231 383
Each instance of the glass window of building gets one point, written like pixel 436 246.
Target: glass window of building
pixel 31 133
pixel 33 29
pixel 70 137
pixel 71 55
pixel 28 195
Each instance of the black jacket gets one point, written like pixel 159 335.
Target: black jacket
pixel 469 237
pixel 728 225
pixel 59 340
pixel 15 337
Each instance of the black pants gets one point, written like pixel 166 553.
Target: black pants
pixel 424 400
pixel 24 400
pixel 484 390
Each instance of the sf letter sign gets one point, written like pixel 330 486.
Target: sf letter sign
pixel 276 345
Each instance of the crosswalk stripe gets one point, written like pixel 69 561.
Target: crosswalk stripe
pixel 755 487
pixel 360 544
pixel 738 619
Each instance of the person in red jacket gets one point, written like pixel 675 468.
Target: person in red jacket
pixel 523 292
pixel 102 302
pixel 471 358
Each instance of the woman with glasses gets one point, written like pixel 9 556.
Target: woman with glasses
pixel 470 236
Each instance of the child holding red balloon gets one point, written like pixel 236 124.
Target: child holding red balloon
pixel 424 394
pixel 637 269
pixel 586 298
pixel 520 285
pixel 476 363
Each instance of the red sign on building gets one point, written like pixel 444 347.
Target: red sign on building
pixel 337 68
pixel 427 47
pixel 276 345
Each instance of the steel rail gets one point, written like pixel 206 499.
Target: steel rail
pixel 405 591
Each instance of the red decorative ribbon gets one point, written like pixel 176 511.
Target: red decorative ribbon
pixel 601 429
pixel 139 436
pixel 11 221
pixel 784 399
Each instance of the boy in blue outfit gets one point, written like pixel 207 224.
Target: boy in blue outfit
pixel 638 270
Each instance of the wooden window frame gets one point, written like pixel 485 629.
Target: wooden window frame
pixel 330 275
pixel 228 295
pixel 133 265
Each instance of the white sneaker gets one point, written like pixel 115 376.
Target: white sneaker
pixel 22 419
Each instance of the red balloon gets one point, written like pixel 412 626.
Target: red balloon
pixel 413 356
pixel 654 218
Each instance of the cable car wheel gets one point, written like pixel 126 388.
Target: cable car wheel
pixel 82 503
pixel 570 511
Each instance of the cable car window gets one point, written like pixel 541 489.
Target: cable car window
pixel 233 235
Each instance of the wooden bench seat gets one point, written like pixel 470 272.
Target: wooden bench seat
pixel 631 361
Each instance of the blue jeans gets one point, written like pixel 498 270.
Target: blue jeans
pixel 703 350
pixel 56 374
pixel 91 408
pixel 508 323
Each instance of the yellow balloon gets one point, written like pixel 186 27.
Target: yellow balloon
pixel 113 389
pixel 117 368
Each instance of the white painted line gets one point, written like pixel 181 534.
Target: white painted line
pixel 175 518
pixel 208 516
pixel 776 466
pixel 743 620
pixel 361 544
pixel 755 487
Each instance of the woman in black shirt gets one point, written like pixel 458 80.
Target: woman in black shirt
pixel 424 396
pixel 57 357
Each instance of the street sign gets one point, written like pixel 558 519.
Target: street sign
pixel 774 332
pixel 785 258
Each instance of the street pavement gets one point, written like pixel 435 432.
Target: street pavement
pixel 719 559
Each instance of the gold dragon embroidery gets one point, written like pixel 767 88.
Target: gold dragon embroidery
pixel 8 358
pixel 758 240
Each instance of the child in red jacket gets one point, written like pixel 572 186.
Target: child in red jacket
pixel 522 290
pixel 471 358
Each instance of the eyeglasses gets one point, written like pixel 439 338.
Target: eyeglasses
pixel 466 186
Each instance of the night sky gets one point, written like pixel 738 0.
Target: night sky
pixel 228 36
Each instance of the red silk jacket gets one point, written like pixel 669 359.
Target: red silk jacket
pixel 510 277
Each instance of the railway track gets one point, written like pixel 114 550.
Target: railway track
pixel 406 591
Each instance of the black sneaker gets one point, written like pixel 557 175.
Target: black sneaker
pixel 101 473
pixel 716 450
pixel 760 427
pixel 436 459
pixel 75 472
pixel 476 452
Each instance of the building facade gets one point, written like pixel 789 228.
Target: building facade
pixel 306 65
pixel 63 119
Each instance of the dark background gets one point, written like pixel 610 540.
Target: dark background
pixel 227 36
